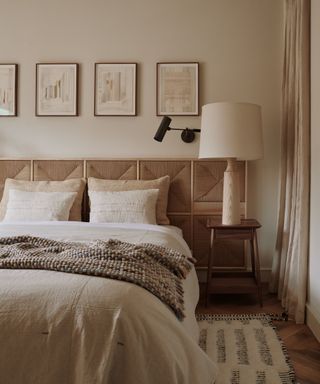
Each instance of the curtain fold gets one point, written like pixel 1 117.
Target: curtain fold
pixel 290 264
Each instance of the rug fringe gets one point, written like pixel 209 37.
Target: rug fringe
pixel 243 316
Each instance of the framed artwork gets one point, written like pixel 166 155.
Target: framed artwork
pixel 8 89
pixel 115 89
pixel 57 89
pixel 178 89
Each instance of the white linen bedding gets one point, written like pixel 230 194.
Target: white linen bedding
pixel 64 328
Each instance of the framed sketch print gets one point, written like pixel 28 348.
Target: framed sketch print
pixel 8 89
pixel 115 89
pixel 57 89
pixel 178 89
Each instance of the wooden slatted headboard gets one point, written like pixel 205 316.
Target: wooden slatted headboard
pixel 195 192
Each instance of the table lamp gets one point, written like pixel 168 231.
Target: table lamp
pixel 231 131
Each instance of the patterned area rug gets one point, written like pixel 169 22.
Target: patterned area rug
pixel 246 349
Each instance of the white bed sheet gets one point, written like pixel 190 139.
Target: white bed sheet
pixel 157 348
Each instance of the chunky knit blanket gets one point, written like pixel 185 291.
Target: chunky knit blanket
pixel 158 269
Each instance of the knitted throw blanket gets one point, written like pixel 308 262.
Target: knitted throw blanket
pixel 158 269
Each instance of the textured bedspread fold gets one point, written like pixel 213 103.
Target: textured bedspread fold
pixel 158 269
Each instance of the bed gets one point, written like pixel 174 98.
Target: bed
pixel 66 328
pixel 58 327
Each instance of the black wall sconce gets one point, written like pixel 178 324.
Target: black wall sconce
pixel 187 134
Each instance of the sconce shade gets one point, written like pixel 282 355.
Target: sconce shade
pixel 231 130
pixel 163 128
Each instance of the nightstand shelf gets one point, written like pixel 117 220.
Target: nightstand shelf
pixel 234 282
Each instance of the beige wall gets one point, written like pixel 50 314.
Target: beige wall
pixel 313 313
pixel 237 42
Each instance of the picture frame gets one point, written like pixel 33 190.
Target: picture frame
pixel 57 89
pixel 8 90
pixel 177 89
pixel 115 89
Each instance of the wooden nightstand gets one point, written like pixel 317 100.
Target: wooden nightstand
pixel 234 282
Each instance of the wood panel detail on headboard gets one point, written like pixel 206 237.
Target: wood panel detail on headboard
pixel 180 181
pixel 57 170
pixel 195 192
pixel 112 169
pixel 14 169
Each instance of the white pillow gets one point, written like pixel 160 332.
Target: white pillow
pixel 137 206
pixel 70 185
pixel 163 184
pixel 39 206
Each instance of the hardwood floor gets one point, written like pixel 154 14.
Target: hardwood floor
pixel 302 346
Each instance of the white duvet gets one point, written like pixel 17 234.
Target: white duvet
pixel 60 328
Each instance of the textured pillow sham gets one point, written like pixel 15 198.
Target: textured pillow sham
pixel 123 206
pixel 70 185
pixel 39 206
pixel 162 184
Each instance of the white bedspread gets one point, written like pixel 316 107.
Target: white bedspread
pixel 64 328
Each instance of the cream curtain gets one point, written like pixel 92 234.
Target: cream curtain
pixel 289 270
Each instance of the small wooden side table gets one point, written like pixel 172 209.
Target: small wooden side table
pixel 234 282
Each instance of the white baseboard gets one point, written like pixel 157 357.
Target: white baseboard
pixel 313 321
pixel 265 275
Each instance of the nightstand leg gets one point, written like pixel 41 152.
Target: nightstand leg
pixel 253 265
pixel 257 262
pixel 209 271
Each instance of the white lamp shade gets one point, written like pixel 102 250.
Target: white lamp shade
pixel 231 130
